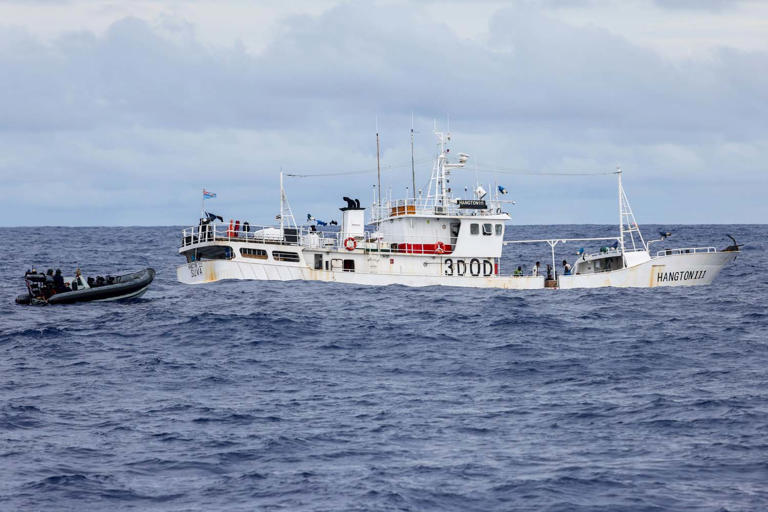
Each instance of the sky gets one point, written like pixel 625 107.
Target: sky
pixel 120 113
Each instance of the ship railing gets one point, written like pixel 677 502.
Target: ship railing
pixel 402 207
pixel 373 243
pixel 610 252
pixel 303 236
pixel 367 242
pixel 685 250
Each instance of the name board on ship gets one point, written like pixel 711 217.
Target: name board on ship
pixel 475 204
pixel 686 275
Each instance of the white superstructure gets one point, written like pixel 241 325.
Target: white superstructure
pixel 427 240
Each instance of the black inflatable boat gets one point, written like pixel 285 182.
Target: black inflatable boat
pixel 127 286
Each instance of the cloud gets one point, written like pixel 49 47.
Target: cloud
pixel 124 119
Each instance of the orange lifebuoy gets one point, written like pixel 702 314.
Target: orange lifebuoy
pixel 350 244
pixel 439 248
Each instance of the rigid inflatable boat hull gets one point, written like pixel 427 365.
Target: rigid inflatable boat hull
pixel 129 286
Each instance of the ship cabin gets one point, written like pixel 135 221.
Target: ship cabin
pixel 457 230
pixel 608 258
pixel 403 229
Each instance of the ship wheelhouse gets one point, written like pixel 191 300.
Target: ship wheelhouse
pixel 439 223
pixel 609 258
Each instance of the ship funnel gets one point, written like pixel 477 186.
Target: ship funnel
pixel 352 219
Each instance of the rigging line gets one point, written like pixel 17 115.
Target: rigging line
pixel 349 173
pixel 531 173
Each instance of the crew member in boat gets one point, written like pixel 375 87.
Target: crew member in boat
pixel 58 282
pixel 47 286
pixel 535 269
pixel 77 282
pixel 566 268
pixel 518 272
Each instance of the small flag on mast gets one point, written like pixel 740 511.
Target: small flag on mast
pixel 208 195
pixel 212 217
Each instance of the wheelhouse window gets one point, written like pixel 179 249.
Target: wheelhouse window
pixel 499 229
pixel 285 256
pixel 487 229
pixel 474 229
pixel 214 252
pixel 258 254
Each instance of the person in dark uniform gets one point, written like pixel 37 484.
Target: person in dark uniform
pixel 58 282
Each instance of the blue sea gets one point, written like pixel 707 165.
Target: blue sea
pixel 303 396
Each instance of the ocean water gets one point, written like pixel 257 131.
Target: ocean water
pixel 313 396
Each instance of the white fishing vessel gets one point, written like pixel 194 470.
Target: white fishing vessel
pixel 432 239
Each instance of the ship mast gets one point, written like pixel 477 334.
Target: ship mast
pixel 378 171
pixel 286 214
pixel 413 165
pixel 627 223
pixel 441 173
pixel 282 198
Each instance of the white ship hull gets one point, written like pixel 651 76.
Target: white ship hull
pixel 216 270
pixel 672 270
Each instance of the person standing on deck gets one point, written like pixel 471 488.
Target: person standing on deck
pixel 535 269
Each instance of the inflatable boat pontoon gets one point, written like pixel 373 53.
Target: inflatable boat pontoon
pixel 41 288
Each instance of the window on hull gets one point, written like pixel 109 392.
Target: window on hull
pixel 213 252
pixel 285 256
pixel 258 254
